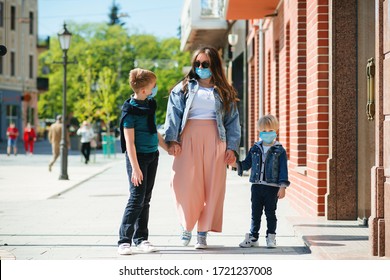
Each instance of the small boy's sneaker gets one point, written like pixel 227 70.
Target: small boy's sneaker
pixel 185 237
pixel 249 241
pixel 124 249
pixel 146 247
pixel 201 241
pixel 271 241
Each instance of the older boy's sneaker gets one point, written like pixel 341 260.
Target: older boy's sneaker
pixel 249 241
pixel 124 249
pixel 146 247
pixel 271 241
pixel 185 237
pixel 201 241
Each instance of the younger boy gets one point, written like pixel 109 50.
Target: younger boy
pixel 139 139
pixel 267 160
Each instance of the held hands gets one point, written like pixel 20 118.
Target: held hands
pixel 174 149
pixel 230 157
pixel 137 177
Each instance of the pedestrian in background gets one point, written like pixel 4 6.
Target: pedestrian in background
pixel 87 134
pixel 55 135
pixel 267 160
pixel 203 132
pixel 29 138
pixel 12 134
pixel 139 142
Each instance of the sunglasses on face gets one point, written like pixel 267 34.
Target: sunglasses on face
pixel 205 64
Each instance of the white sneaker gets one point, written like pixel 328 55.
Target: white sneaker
pixel 249 241
pixel 146 247
pixel 185 237
pixel 201 242
pixel 271 241
pixel 124 249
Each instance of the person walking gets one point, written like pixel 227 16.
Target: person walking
pixel 203 132
pixel 55 135
pixel 267 160
pixel 139 142
pixel 29 138
pixel 12 134
pixel 87 134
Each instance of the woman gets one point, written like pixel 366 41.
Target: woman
pixel 29 138
pixel 202 131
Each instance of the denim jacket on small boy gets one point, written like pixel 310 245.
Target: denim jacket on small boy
pixel 275 169
pixel 179 104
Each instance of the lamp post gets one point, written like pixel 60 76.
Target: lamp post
pixel 64 37
pixel 233 40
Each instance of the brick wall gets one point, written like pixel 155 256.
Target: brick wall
pixel 296 90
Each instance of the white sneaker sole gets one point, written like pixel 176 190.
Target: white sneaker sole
pixel 200 246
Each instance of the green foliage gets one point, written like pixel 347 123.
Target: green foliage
pixel 98 84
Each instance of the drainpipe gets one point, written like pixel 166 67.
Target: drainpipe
pixel 261 67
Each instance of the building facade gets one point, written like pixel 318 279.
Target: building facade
pixel 322 68
pixel 18 67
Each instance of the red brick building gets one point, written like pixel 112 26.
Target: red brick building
pixel 307 63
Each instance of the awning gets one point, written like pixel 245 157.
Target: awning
pixel 250 9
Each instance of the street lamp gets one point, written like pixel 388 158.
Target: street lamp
pixel 233 40
pixel 64 37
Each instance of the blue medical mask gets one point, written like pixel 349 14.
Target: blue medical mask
pixel 268 136
pixel 154 92
pixel 203 73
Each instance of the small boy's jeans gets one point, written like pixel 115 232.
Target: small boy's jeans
pixel 136 215
pixel 263 197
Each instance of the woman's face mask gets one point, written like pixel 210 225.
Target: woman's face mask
pixel 203 73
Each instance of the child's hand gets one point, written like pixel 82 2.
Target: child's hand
pixel 282 192
pixel 137 177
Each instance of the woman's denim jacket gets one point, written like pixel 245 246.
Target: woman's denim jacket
pixel 275 168
pixel 179 104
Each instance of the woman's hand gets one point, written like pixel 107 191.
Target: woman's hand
pixel 230 157
pixel 174 149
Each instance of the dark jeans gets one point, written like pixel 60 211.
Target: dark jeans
pixel 86 150
pixel 135 219
pixel 263 197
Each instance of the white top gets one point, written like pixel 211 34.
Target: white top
pixel 203 105
pixel 86 134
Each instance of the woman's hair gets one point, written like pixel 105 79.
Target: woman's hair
pixel 140 78
pixel 268 122
pixel 227 93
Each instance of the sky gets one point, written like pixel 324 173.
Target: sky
pixel 157 17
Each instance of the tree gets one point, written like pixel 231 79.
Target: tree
pixel 99 48
pixel 107 109
pixel 114 15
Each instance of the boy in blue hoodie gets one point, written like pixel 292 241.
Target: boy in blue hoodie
pixel 267 160
pixel 139 142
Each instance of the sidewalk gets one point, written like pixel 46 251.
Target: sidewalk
pixel 42 217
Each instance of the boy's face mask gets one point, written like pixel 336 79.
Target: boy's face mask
pixel 268 136
pixel 154 92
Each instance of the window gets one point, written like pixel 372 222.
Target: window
pixel 1 14
pixel 31 22
pixel 31 66
pixel 13 17
pixel 11 114
pixel 12 63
